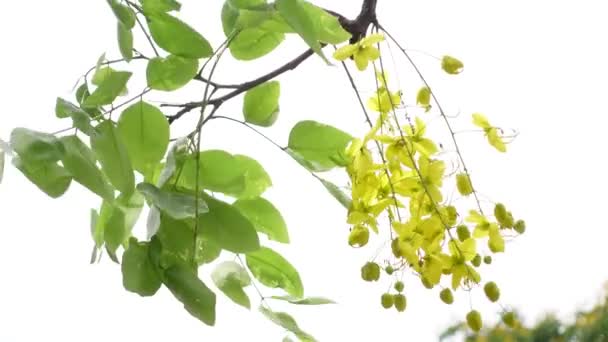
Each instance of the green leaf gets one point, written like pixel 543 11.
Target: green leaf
pixel 124 14
pixel 296 15
pixel 225 226
pixel 49 177
pixel 197 298
pixel 108 90
pixel 177 205
pixel 287 322
pixel 264 217
pixel 248 4
pixel 261 104
pixel 80 118
pixel 305 301
pixel 451 65
pixel 80 162
pixel 119 218
pixel 160 5
pixel 252 43
pixel 272 270
pixel 139 275
pixel 229 16
pixel 329 29
pixel 206 251
pixel 231 278
pixel 177 37
pixel 177 239
pixel 256 180
pixel 145 132
pixel 170 73
pixel 95 234
pixel 82 93
pixel 218 171
pixel 64 109
pixel 112 155
pixel 338 194
pixel 177 152
pixel 125 42
pixel 36 146
pixel 321 146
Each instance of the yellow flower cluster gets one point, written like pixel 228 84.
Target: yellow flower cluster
pixel 407 176
pixel 396 174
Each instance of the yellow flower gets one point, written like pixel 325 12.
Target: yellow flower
pixel 491 132
pixel 362 51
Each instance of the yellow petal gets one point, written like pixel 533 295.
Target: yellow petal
pixel 371 52
pixel 480 120
pixel 372 39
pixel 345 52
pixel 361 61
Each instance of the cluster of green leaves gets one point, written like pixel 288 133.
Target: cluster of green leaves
pixel 129 164
pixel 588 325
pixel 203 203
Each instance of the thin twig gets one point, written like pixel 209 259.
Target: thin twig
pixel 439 107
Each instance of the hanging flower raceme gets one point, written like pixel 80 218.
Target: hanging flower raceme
pixel 362 51
pixel 400 177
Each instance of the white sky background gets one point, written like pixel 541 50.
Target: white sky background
pixel 537 66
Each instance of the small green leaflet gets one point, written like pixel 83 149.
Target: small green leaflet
pixel 113 84
pixel 338 194
pixel 49 177
pixel 80 118
pixel 177 205
pixel 329 29
pixel 112 155
pixel 96 235
pixel 170 73
pixel 118 219
pixel 206 251
pixel 231 278
pixel 252 43
pixel 295 14
pixel 321 147
pixel 247 4
pixel 160 5
pixel 229 17
pixel 265 218
pixel 226 227
pixel 287 322
pixel 256 179
pixel 305 301
pixel 178 150
pixel 34 146
pixel 238 176
pixel 218 171
pixel 164 28
pixel 124 14
pixel 80 161
pixel 272 270
pixel 144 129
pixel 125 42
pixel 177 239
pixel 139 275
pixel 261 104
pixel 152 222
pixel 197 298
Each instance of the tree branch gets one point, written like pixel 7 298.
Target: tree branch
pixel 356 27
